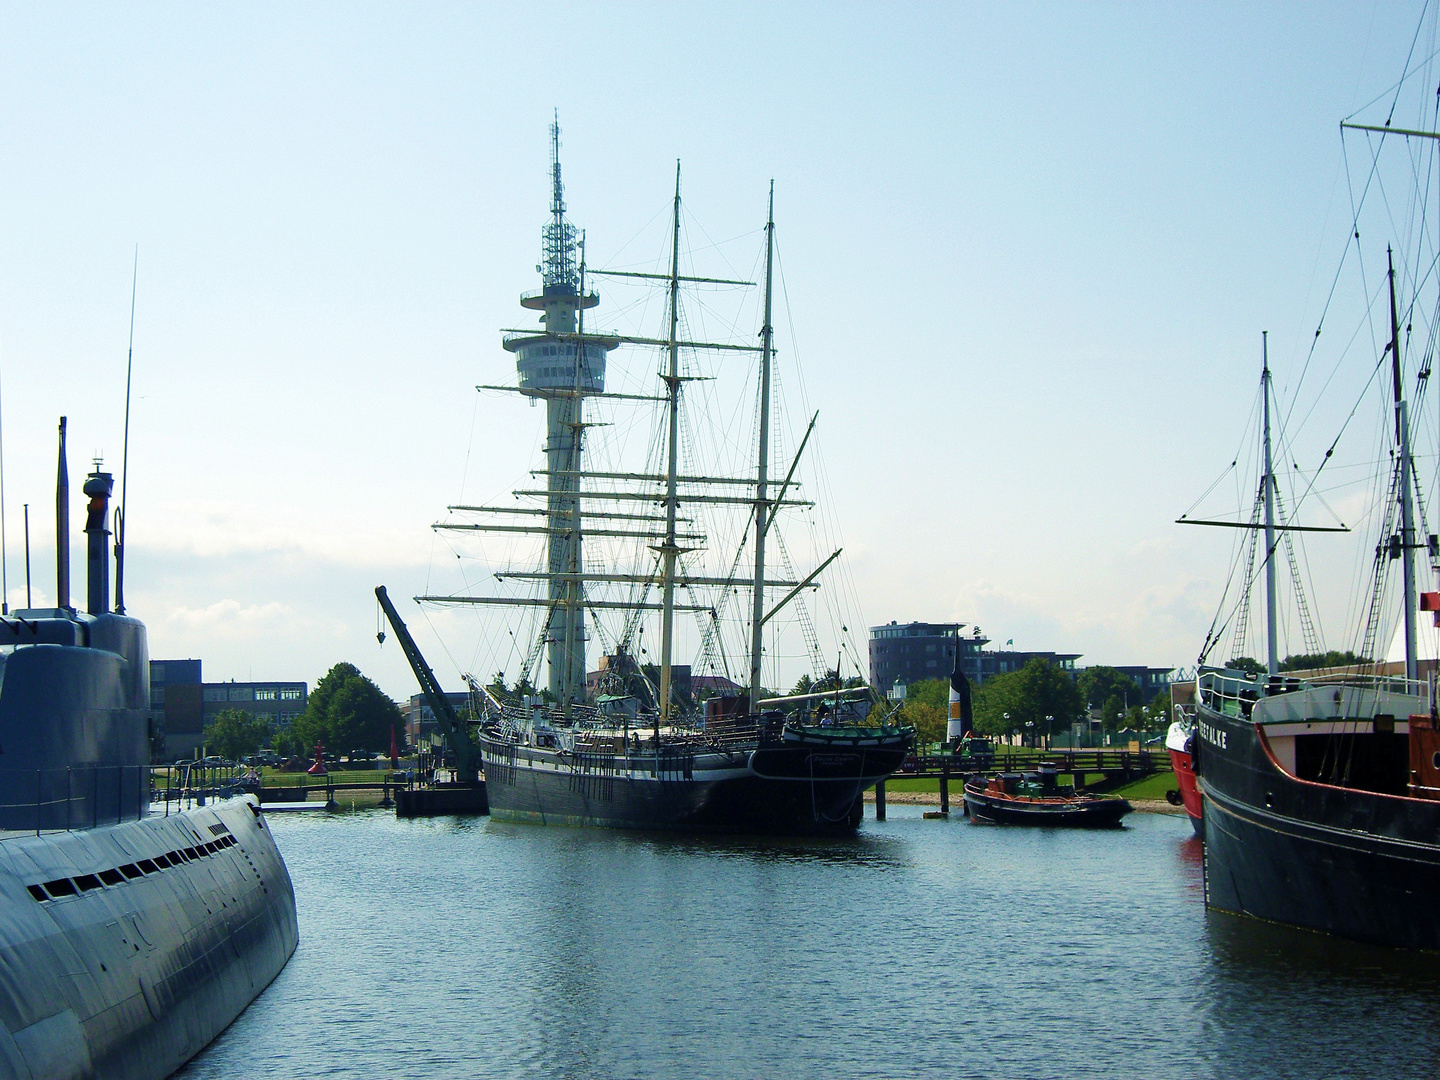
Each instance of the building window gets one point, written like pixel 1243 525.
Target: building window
pixel 157 695
pixel 241 693
pixel 291 693
pixel 265 694
pixel 215 693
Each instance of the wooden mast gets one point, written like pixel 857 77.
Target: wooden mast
pixel 1272 634
pixel 762 506
pixel 1407 524
pixel 574 586
pixel 669 550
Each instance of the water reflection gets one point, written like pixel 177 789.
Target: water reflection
pixel 916 948
pixel 1310 1005
pixel 865 850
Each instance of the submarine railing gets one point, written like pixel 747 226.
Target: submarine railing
pixel 74 797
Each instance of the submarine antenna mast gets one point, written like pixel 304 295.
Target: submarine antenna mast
pixel 122 515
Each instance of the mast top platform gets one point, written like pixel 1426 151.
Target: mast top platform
pixel 540 299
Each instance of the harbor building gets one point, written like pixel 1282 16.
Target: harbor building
pixel 419 718
pixel 1004 661
pixel 910 652
pixel 181 704
pixel 277 703
pixel 1151 680
pixel 176 707
pixel 903 653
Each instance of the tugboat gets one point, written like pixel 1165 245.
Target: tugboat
pixel 128 939
pixel 749 761
pixel 1035 799
pixel 1180 744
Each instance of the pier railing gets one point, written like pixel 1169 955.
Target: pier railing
pixel 1067 761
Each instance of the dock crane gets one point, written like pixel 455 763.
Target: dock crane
pixel 467 758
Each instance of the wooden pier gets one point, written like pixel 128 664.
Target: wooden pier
pixel 1116 766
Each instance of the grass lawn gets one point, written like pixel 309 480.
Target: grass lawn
pixel 275 778
pixel 1152 787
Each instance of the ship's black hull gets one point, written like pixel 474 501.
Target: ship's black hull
pixel 780 790
pixel 1358 864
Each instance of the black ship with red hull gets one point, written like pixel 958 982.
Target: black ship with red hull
pixel 1321 787
pixel 1287 843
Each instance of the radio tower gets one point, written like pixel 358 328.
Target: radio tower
pixel 563 366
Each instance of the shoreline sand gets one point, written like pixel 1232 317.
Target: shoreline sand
pixel 932 798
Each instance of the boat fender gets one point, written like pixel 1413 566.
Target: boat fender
pixel 1173 798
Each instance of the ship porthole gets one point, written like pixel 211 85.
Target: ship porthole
pixel 1435 759
pixel 1269 801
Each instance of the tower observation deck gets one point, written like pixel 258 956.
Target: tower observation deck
pixel 562 364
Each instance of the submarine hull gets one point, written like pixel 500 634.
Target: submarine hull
pixel 125 950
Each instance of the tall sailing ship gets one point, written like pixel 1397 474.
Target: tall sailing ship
pixel 1321 788
pixel 636 748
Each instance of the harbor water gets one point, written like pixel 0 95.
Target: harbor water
pixel 471 948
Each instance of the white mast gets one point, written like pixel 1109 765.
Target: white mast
pixel 669 550
pixel 1272 664
pixel 762 506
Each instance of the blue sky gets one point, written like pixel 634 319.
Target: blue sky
pixel 1028 252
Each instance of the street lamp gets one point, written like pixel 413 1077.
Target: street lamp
pixel 1049 731
pixel 1008 732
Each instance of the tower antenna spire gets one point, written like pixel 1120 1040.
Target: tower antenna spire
pixel 559 235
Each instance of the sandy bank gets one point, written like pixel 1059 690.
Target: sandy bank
pixel 932 798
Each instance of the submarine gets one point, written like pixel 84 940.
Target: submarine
pixel 129 937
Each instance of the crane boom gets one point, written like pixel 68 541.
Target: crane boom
pixel 466 759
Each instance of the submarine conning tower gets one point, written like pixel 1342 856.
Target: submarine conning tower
pixel 98 486
pixel 563 365
pixel 75 695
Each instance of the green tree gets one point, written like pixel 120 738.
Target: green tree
pixel 928 720
pixel 935 692
pixel 348 713
pixel 804 685
pixel 1332 658
pixel 1247 664
pixel 1112 713
pixel 1160 709
pixel 1035 701
pixel 287 743
pixel 994 704
pixel 233 733
pixel 1099 683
